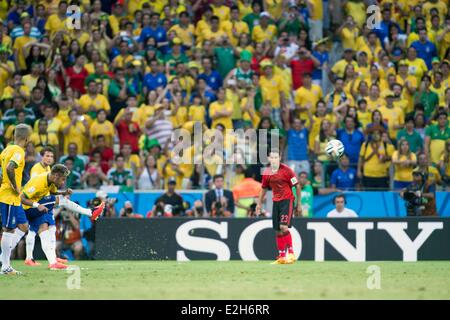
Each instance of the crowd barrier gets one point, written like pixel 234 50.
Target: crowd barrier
pixel 250 239
pixel 366 204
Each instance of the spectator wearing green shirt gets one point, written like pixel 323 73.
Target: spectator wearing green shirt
pixel 74 178
pixel 225 59
pixel 119 175
pixel 252 19
pixel 411 135
pixel 428 98
pixel 79 163
pixel 307 195
pixel 292 22
pixel 174 56
pixel 118 92
pixel 10 116
pixel 436 135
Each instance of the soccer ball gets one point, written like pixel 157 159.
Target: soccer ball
pixel 334 149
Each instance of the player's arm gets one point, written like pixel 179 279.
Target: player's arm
pixel 261 196
pixel 11 172
pixel 26 201
pixel 67 192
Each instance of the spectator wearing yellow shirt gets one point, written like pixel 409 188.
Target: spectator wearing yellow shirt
pixel 75 131
pixel 392 115
pixel 220 10
pixel 132 161
pixel 349 33
pixel 357 9
pixel 307 96
pixel 423 165
pixel 338 68
pixel 214 33
pixel 315 20
pixel 197 111
pixel 57 21
pixel 436 136
pixel 234 27
pixel 19 44
pixel 443 38
pixel 220 111
pixel 440 5
pixel 444 165
pixel 374 101
pixel 43 138
pixel 264 32
pixel 364 115
pixel 416 66
pixel 404 162
pixel 272 90
pixel 91 102
pixel 102 126
pixel 336 98
pixel 374 155
pixel 184 30
pixel 124 57
pixel 7 67
pixel 409 83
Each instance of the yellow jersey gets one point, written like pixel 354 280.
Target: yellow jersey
pixel 38 169
pixel 403 173
pixel 260 35
pixel 218 107
pixel 271 90
pixel 15 154
pixel 37 188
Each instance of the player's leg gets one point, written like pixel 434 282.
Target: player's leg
pixel 278 234
pixel 30 240
pixel 52 229
pixel 285 224
pixel 48 246
pixel 72 206
pixel 14 224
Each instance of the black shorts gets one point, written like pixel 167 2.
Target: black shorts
pixel 282 213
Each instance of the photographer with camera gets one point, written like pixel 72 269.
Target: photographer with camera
pixel 68 234
pixel 219 202
pixel 169 204
pixel 420 196
pixel 128 212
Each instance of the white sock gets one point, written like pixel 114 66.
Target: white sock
pixel 52 230
pixel 6 244
pixel 72 206
pixel 18 234
pixel 47 247
pixel 29 240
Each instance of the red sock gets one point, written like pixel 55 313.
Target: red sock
pixel 281 245
pixel 288 241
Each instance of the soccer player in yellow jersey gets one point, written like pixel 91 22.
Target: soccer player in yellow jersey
pixel 48 158
pixel 14 222
pixel 39 196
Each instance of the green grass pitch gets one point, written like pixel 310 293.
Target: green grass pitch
pixel 230 280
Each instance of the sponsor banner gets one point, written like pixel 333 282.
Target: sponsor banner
pixel 403 239
pixel 365 204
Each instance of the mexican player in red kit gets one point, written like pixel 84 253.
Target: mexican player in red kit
pixel 280 178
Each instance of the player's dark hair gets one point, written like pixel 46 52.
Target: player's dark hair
pixel 47 149
pixel 217 176
pixel 60 169
pixel 69 159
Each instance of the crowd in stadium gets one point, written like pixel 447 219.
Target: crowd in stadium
pixel 108 93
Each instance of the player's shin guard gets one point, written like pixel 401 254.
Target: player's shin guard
pixel 281 245
pixel 29 241
pixel 288 241
pixel 72 206
pixel 6 244
pixel 47 247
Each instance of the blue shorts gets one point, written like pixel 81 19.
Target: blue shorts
pixel 12 215
pixel 36 218
pixel 399 185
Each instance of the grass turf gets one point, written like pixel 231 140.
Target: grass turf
pixel 230 280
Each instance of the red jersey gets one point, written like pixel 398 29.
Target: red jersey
pixel 280 182
pixel 299 67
